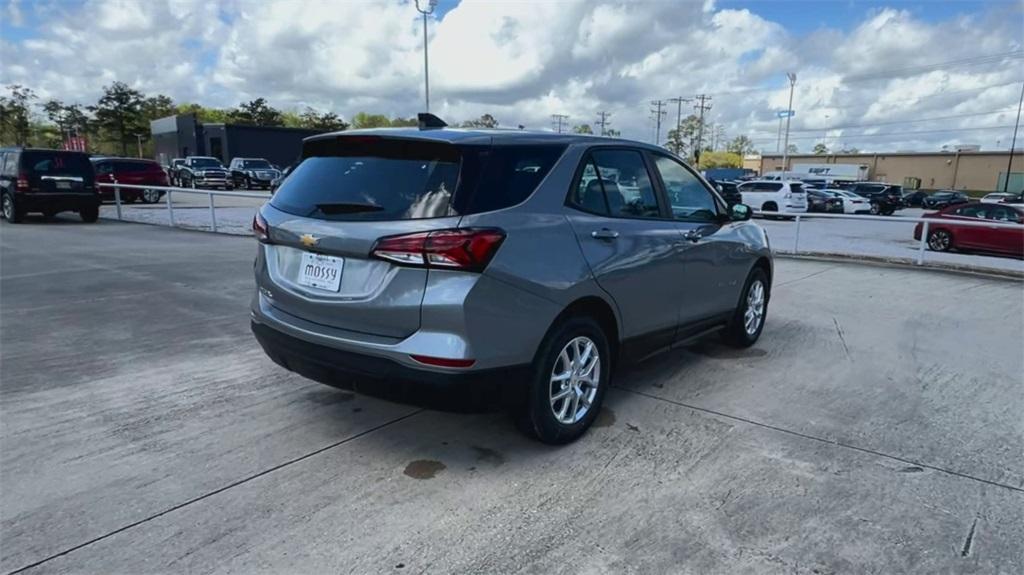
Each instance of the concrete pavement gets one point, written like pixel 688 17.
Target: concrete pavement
pixel 875 427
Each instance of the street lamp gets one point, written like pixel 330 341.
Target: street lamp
pixel 789 116
pixel 431 4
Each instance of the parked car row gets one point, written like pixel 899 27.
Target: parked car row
pixel 209 172
pixel 944 235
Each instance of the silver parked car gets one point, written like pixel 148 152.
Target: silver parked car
pixel 484 257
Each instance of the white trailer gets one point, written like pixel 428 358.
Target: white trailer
pixel 854 172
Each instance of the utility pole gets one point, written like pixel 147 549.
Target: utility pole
pixel 558 120
pixel 1013 144
pixel 701 107
pixel 658 113
pixel 679 121
pixel 789 116
pixel 431 4
pixel 603 121
pixel 778 139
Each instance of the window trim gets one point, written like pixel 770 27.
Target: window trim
pixel 663 210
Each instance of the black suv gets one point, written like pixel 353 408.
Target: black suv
pixel 48 182
pixel 729 192
pixel 885 198
pixel 253 173
pixel 944 198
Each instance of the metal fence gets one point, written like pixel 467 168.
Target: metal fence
pixel 927 223
pixel 169 200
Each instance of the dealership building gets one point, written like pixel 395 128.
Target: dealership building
pixel 973 171
pixel 184 135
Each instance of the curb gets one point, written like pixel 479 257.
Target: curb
pixel 904 263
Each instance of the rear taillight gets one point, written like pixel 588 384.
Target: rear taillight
pixel 22 184
pixel 469 249
pixel 259 228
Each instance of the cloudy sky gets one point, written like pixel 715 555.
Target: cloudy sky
pixel 875 75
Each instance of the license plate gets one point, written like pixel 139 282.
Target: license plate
pixel 63 185
pixel 320 271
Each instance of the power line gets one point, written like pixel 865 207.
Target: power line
pixel 658 113
pixel 679 121
pixel 936 118
pixel 701 107
pixel 888 134
pixel 972 61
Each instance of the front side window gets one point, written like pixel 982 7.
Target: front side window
pixel 687 196
pixel 971 211
pixel 1003 214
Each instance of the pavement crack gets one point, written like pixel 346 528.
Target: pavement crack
pixel 839 330
pixel 219 490
pixel 823 440
pixel 969 542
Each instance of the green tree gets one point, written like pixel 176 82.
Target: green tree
pixel 612 133
pixel 364 120
pixel 709 159
pixel 792 149
pixel 820 149
pixel 850 150
pixel 205 115
pixel 16 114
pixel 326 121
pixel 255 113
pixel 484 121
pixel 156 107
pixel 740 145
pixel 119 115
pixel 683 140
pixel 583 129
pixel 400 122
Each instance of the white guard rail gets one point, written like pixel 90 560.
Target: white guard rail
pixel 926 222
pixel 946 223
pixel 168 191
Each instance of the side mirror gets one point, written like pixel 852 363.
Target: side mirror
pixel 740 212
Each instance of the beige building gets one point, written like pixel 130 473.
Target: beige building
pixel 970 171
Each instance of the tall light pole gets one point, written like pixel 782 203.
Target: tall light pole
pixel 1013 143
pixel 431 4
pixel 824 135
pixel 789 116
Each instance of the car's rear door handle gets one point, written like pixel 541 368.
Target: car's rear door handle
pixel 604 234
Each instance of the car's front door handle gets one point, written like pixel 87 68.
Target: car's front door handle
pixel 604 234
pixel 694 235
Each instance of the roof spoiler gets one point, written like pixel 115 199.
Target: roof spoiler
pixel 428 121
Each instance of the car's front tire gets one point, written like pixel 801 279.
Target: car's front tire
pixel 940 241
pixel 570 376
pixel 748 320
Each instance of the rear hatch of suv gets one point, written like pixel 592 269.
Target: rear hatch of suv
pixel 355 229
pixel 57 172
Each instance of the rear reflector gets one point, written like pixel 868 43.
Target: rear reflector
pixel 443 361
pixel 469 249
pixel 259 228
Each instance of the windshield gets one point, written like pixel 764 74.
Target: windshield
pixel 205 163
pixel 256 164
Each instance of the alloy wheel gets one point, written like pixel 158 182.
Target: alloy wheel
pixel 754 313
pixel 151 196
pixel 939 241
pixel 575 378
pixel 8 208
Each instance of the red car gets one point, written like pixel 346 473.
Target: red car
pixel 945 235
pixel 130 171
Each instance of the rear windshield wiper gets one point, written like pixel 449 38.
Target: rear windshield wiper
pixel 347 208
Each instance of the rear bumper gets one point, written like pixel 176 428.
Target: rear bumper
pixel 37 202
pixel 348 369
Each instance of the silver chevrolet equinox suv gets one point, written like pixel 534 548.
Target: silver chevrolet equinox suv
pixel 485 257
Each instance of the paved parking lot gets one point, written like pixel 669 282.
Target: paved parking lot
pixel 876 427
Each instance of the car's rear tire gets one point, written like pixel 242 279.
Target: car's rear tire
pixel 747 321
pixel 568 382
pixel 151 196
pixel 89 214
pixel 940 241
pixel 769 207
pixel 10 209
pixel 875 210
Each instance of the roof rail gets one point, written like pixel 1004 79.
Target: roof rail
pixel 428 121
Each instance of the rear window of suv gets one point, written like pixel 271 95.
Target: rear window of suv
pixel 359 178
pixel 40 162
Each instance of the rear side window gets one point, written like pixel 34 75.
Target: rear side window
pixel 44 162
pixel 499 177
pixel 622 178
pixel 359 178
pixel 133 166
pixel 796 188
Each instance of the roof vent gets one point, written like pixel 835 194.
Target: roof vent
pixel 429 121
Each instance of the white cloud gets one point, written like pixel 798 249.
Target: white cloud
pixel 523 61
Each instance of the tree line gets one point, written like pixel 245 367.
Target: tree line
pixel 119 122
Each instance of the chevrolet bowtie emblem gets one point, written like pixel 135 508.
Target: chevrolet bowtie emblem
pixel 309 240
